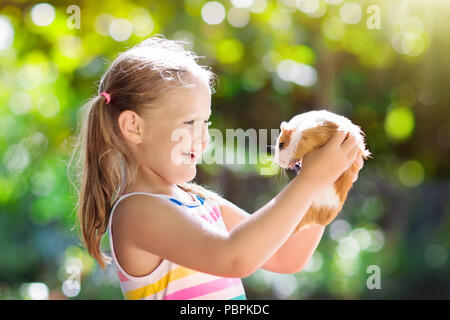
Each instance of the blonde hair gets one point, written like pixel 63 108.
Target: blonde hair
pixel 100 168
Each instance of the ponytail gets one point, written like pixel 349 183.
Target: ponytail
pixel 101 170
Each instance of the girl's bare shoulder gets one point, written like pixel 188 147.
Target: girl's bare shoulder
pixel 133 206
pixel 135 261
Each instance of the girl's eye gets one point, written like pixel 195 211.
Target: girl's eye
pixel 208 123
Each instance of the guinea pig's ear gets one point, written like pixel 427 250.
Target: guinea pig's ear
pixel 285 129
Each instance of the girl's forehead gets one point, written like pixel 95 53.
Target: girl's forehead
pixel 189 102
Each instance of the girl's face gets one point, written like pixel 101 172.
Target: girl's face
pixel 176 134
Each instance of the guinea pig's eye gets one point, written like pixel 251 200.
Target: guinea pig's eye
pixel 281 145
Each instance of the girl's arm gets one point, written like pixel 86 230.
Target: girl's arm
pixel 151 224
pixel 296 251
pixel 293 254
pixel 258 237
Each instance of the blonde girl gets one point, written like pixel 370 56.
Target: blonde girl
pixel 171 238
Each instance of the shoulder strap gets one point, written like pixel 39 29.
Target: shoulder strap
pixel 164 196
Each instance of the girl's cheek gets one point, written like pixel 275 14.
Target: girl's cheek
pixel 179 134
pixel 180 140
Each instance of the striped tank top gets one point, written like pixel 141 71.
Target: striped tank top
pixel 170 281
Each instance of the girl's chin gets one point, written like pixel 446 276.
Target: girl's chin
pixel 185 175
pixel 183 165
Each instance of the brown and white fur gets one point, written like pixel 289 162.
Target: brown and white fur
pixel 309 131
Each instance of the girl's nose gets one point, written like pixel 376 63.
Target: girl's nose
pixel 206 138
pixel 201 135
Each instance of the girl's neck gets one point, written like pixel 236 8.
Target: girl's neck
pixel 175 192
pixel 148 181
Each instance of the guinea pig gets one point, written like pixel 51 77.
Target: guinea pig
pixel 307 132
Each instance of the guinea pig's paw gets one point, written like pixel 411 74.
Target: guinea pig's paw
pixel 295 164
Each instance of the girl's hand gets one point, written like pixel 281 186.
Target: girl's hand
pixel 326 164
pixel 360 162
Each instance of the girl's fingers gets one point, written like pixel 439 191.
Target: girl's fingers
pixel 349 143
pixel 360 162
pixel 353 152
pixel 339 137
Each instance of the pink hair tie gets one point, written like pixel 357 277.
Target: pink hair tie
pixel 107 96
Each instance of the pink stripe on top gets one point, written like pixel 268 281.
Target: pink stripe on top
pixel 122 277
pixel 202 289
pixel 170 281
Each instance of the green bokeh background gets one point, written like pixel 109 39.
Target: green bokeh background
pixel 391 81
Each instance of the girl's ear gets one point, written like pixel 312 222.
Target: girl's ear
pixel 129 123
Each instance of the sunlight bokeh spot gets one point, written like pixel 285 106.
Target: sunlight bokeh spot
pixel 71 288
pixel 411 173
pixel 377 241
pixel 333 2
pixel 238 17
pixel 142 22
pixel 299 73
pixel 399 123
pixel 70 46
pixel 284 286
pixel 43 14
pixel 48 105
pixel 258 6
pixel 339 229
pixel 6 33
pixel 34 291
pixel 213 12
pixel 102 23
pixel 16 158
pixel 20 102
pixel 351 12
pixel 412 27
pixel 242 3
pixel 120 29
pixel 29 76
pixel 308 6
pixel 280 21
pixel 229 51
pixel 348 266
pixel 348 248
pixel 362 236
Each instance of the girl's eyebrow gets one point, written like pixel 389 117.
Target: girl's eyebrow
pixel 197 116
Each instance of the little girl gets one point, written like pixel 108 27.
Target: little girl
pixel 171 238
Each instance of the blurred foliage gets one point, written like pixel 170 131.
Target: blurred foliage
pixel 274 59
